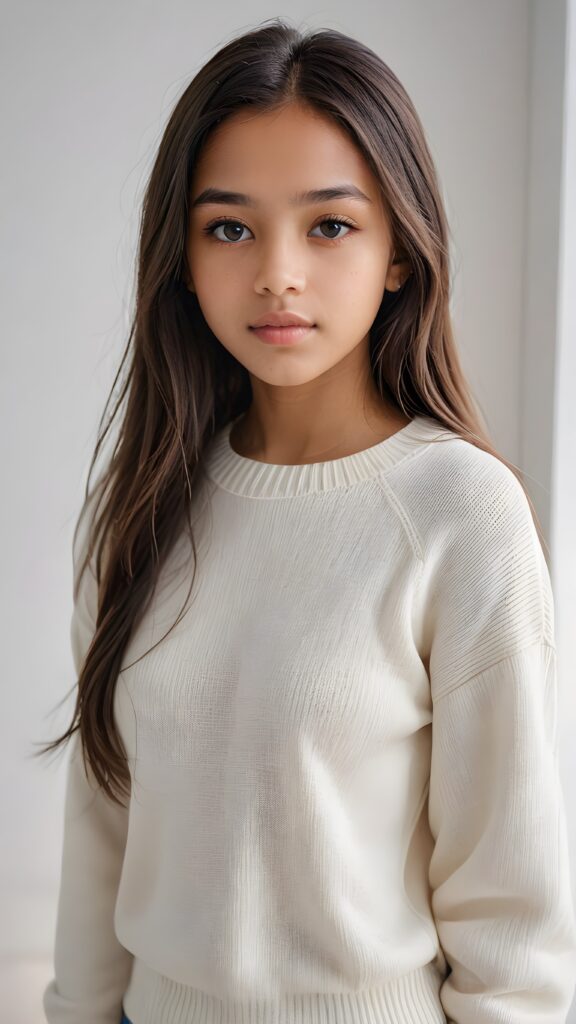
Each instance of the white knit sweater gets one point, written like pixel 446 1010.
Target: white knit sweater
pixel 345 802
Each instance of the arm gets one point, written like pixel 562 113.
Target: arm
pixel 92 968
pixel 499 872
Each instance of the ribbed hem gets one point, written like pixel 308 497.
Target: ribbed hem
pixel 412 998
pixel 256 479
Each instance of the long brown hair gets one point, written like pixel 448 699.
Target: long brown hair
pixel 182 385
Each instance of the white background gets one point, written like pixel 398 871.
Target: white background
pixel 86 91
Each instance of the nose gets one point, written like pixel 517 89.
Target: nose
pixel 280 268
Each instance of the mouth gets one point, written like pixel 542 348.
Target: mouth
pixel 288 335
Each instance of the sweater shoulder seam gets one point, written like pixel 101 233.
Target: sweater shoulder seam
pixel 403 515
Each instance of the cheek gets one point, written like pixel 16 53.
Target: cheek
pixel 360 272
pixel 219 274
pixel 370 267
pixel 358 291
pixel 356 277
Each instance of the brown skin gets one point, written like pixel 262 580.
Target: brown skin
pixel 316 400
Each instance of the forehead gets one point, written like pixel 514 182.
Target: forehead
pixel 278 153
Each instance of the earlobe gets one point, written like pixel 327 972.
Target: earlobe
pixel 397 281
pixel 400 277
pixel 393 281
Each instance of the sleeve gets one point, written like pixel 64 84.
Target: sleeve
pixel 91 967
pixel 499 872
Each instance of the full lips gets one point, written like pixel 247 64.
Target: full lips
pixel 288 335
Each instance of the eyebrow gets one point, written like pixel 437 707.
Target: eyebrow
pixel 315 195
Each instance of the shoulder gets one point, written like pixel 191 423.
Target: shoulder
pixel 457 493
pixel 484 590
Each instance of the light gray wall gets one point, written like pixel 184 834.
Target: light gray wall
pixel 86 92
pixel 563 431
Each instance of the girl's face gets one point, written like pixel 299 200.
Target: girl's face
pixel 277 254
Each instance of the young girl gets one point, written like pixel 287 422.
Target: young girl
pixel 314 762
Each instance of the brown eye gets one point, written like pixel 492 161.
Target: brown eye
pixel 335 222
pixel 229 225
pixel 235 228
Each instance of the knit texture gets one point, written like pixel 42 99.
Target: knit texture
pixel 345 798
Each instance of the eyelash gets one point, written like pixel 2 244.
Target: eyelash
pixel 330 218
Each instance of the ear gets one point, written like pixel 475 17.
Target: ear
pixel 398 270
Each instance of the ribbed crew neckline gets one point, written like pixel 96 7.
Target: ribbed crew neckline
pixel 256 479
